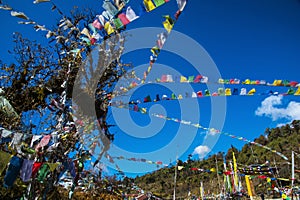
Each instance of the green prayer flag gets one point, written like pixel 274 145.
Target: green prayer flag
pixel 118 23
pixel 191 79
pixel 291 91
pixel 159 2
pixel 43 172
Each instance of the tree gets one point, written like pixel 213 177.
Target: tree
pixel 46 82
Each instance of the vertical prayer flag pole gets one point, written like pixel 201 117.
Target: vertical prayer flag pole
pixel 218 175
pixel 293 172
pixel 232 177
pixel 175 176
pixel 293 169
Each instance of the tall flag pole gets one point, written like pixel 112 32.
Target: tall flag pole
pixel 293 172
pixel 218 175
pixel 175 176
pixel 232 177
pixel 201 190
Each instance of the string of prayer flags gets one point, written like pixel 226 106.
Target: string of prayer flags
pixel 139 160
pixel 212 130
pixel 200 94
pixel 257 171
pixel 168 24
pixel 28 21
pixel 293 90
pixel 234 81
pixel 203 170
pixel 113 19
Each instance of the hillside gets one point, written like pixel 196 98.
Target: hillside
pixel 284 140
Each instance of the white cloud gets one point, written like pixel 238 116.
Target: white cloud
pixel 201 151
pixel 268 109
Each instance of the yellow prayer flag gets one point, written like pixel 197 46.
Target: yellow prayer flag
pixel 297 92
pixel 248 184
pixel 183 79
pixel 277 82
pixel 155 50
pixel 284 196
pixel 252 91
pixel 149 5
pixel 227 91
pixel 180 167
pixel 168 23
pixel 167 26
pixel 247 82
pixel 213 170
pixel 108 28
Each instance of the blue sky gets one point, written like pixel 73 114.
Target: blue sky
pixel 257 39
